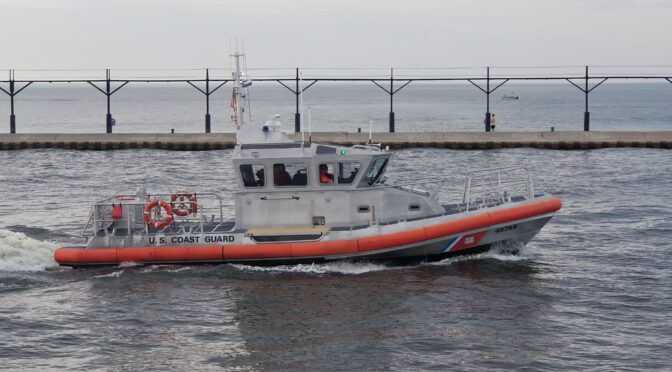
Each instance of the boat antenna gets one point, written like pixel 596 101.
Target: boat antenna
pixel 310 130
pixel 303 139
pixel 238 108
pixel 301 105
pixel 303 129
pixel 246 82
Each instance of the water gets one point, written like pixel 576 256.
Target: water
pixel 591 291
pixel 140 107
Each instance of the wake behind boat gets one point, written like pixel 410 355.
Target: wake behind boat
pixel 303 202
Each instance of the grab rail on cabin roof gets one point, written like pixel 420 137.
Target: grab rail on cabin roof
pixel 374 147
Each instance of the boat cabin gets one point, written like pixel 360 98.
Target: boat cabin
pixel 307 185
pixel 283 167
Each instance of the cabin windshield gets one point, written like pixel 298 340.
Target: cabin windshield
pixel 375 171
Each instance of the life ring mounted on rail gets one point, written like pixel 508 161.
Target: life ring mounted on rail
pixel 153 218
pixel 184 203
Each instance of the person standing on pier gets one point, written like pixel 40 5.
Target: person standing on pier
pixel 493 122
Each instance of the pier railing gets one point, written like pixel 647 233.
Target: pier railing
pixel 298 80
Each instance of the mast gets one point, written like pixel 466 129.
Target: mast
pixel 238 101
pixel 246 130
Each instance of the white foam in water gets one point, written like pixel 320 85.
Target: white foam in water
pixel 345 268
pixel 501 251
pixel 114 274
pixel 164 269
pixel 507 251
pixel 129 264
pixel 21 253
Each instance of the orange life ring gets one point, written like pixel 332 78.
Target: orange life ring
pixel 186 204
pixel 151 220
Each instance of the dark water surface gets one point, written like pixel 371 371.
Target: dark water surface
pixel 592 291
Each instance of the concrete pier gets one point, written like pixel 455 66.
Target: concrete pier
pixel 451 140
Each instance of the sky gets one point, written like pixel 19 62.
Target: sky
pixel 80 34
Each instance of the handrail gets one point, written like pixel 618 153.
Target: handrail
pixel 496 185
pixel 132 201
pixel 375 147
pixel 88 223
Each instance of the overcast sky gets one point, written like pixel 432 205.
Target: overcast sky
pixel 333 33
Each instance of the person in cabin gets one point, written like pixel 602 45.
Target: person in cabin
pixel 248 176
pixel 325 176
pixel 280 175
pixel 260 177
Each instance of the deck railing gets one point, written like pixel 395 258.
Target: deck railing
pixel 496 185
pixel 209 209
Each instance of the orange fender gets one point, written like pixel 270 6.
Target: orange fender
pixel 139 255
pixel 85 256
pixel 244 252
pixel 206 253
pixel 391 240
pixel 524 211
pixel 457 226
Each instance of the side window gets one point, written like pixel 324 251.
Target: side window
pixel 253 175
pixel 326 173
pixel 375 171
pixel 290 174
pixel 347 171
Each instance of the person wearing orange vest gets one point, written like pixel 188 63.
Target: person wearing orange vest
pixel 325 177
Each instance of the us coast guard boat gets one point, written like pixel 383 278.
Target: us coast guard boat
pixel 302 202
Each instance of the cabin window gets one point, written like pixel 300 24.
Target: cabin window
pixel 252 175
pixel 414 207
pixel 290 174
pixel 326 173
pixel 347 171
pixel 375 171
pixel 325 150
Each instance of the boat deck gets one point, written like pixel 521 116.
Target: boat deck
pixel 230 226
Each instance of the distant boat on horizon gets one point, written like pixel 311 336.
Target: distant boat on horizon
pixel 509 97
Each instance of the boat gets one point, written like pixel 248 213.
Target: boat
pixel 304 202
pixel 510 97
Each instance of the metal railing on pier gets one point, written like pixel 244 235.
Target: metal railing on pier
pixel 298 80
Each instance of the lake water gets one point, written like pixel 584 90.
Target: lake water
pixel 591 291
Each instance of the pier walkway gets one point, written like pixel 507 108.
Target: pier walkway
pixel 451 140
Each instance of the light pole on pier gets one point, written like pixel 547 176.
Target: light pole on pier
pixel 12 93
pixel 108 92
pixel 586 91
pixel 487 92
pixel 391 93
pixel 207 92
